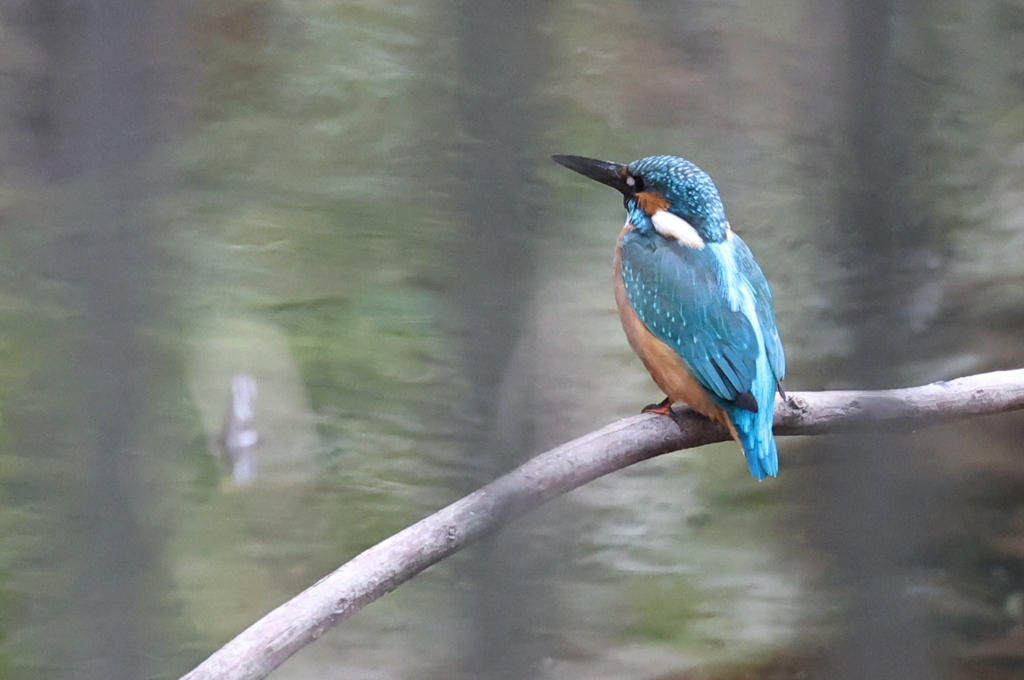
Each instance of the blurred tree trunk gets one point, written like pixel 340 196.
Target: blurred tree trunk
pixel 503 59
pixel 111 266
pixel 872 485
pixel 90 124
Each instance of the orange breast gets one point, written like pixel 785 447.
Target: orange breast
pixel 665 366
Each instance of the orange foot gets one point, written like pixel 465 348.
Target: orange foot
pixel 664 409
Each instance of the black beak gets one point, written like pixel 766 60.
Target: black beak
pixel 605 172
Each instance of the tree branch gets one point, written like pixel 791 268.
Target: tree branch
pixel 270 641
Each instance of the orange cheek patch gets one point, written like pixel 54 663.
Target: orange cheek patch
pixel 651 202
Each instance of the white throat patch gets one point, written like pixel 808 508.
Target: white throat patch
pixel 673 226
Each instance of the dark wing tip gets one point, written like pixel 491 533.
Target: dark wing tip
pixel 746 402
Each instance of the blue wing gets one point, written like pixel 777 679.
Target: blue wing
pixel 765 309
pixel 678 293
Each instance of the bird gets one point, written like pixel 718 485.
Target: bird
pixel 694 303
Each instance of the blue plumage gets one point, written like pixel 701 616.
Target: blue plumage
pixel 696 287
pixel 678 293
pixel 690 192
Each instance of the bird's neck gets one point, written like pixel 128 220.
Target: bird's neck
pixel 713 229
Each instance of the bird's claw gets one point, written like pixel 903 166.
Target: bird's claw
pixel 664 409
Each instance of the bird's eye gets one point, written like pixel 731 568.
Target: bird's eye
pixel 635 182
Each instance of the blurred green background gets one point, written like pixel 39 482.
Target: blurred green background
pixel 352 202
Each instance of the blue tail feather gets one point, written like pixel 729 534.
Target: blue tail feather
pixel 757 441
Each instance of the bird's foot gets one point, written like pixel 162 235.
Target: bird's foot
pixel 664 409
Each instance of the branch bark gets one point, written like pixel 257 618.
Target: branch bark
pixel 270 641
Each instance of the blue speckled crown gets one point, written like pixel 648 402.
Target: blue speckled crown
pixel 691 193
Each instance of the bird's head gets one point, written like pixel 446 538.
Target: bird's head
pixel 667 194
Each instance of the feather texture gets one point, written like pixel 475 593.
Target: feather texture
pixel 711 306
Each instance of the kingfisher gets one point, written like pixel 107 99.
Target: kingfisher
pixel 694 303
